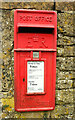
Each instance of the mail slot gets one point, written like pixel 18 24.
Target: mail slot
pixel 35 34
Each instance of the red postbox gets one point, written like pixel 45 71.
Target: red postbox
pixel 35 34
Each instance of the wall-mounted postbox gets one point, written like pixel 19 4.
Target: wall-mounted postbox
pixel 34 59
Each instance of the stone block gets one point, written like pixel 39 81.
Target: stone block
pixel 66 51
pixel 32 115
pixel 7 78
pixel 5 95
pixel 1 116
pixel 64 84
pixel 4 115
pixel 26 115
pixel 39 5
pixel 64 6
pixel 66 23
pixel 61 110
pixel 74 83
pixel 64 96
pixel 1 83
pixel 5 85
pixel 7 104
pixel 27 5
pixel 65 75
pixel 11 5
pixel 7 46
pixel 6 19
pixel 9 94
pixel 66 63
pixel 69 117
pixel 1 95
pixel 65 40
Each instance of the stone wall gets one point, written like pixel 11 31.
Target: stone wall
pixel 65 85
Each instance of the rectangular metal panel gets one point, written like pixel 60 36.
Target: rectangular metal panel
pixel 34 42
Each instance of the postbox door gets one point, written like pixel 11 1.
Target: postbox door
pixel 34 98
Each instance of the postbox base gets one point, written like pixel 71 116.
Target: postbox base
pixel 34 109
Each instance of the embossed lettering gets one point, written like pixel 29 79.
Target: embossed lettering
pixel 29 42
pixel 43 42
pixel 25 18
pixel 35 38
pixel 50 19
pixel 47 19
pixel 42 18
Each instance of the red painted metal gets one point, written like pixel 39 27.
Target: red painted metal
pixel 37 49
pixel 31 34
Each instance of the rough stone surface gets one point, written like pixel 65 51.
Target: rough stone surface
pixel 65 6
pixel 65 40
pixel 8 104
pixel 65 63
pixel 65 23
pixel 28 5
pixel 64 96
pixel 66 51
pixel 65 75
pixel 64 84
pixel 0 84
pixel 7 47
pixel 62 110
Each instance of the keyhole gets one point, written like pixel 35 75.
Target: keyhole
pixel 23 79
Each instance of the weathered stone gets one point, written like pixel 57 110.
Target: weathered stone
pixel 8 104
pixel 1 94
pixel 11 114
pixel 1 84
pixel 39 114
pixel 63 84
pixel 39 5
pixel 73 115
pixel 15 115
pixel 32 115
pixel 7 46
pixel 74 94
pixel 65 40
pixel 0 115
pixel 11 5
pixel 65 23
pixel 0 4
pixel 68 117
pixel 61 110
pixel 5 94
pixel 64 6
pixel 8 94
pixel 74 83
pixel 7 86
pixel 64 96
pixel 5 19
pixel 7 77
pixel 63 75
pixel 65 63
pixel 4 115
pixel 66 51
pixel 28 5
